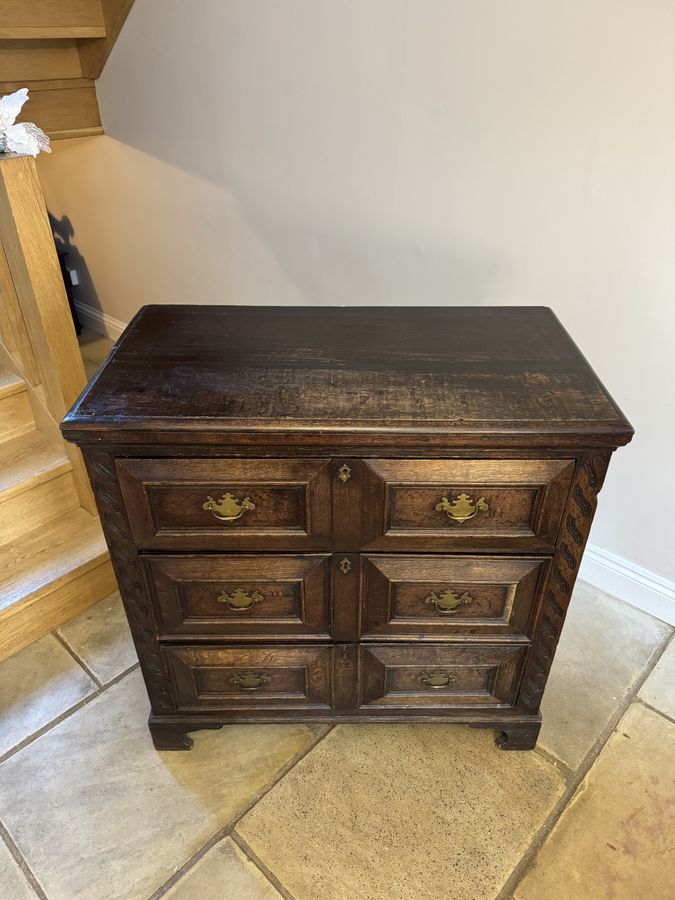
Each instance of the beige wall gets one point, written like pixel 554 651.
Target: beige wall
pixel 394 152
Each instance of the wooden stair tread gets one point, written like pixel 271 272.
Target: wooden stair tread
pixel 10 384
pixel 29 460
pixel 49 557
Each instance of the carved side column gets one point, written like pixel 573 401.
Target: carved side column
pixel 124 556
pixel 589 475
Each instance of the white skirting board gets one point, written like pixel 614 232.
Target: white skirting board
pixel 629 582
pixel 99 321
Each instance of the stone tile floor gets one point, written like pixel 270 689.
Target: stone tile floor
pixel 88 808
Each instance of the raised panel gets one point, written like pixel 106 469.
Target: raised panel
pixel 440 676
pixel 464 504
pixel 241 597
pixel 251 678
pixel 228 504
pixel 452 597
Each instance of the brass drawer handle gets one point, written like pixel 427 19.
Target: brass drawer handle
pixel 227 509
pixel 239 600
pixel 250 681
pixel 436 680
pixel 462 508
pixel 448 603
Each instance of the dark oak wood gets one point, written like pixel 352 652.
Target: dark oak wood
pixel 345 596
pixel 454 597
pixel 173 735
pixel 402 675
pixel 519 736
pixel 225 678
pixel 126 563
pixel 341 593
pixel 472 373
pixel 524 500
pixel 165 499
pixel 279 596
pixel 589 476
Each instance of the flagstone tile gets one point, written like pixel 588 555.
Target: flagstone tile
pixel 224 872
pixel 13 883
pixel 90 369
pixel 101 638
pixel 318 729
pixel 659 689
pixel 615 839
pixel 94 347
pixel 407 811
pixel 604 648
pixel 37 685
pixel 99 814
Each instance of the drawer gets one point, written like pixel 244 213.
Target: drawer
pixel 464 504
pixel 449 597
pixel 251 678
pixel 227 504
pixel 242 597
pixel 440 676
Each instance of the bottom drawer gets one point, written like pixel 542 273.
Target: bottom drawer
pixel 440 676
pixel 249 678
pixel 399 679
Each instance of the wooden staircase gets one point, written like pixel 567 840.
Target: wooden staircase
pixel 57 49
pixel 53 558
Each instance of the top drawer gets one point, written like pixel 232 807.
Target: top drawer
pixel 227 504
pixel 464 504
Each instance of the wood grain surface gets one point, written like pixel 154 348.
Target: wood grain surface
pixel 345 429
pixel 461 370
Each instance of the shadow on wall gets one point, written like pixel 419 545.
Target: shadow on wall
pixel 287 187
pixel 284 255
pixel 173 236
pixel 84 291
pixel 324 268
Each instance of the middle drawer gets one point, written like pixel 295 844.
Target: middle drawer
pixel 260 596
pixel 320 596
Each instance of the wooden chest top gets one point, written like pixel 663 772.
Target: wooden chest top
pixel 507 376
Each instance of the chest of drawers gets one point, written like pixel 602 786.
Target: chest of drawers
pixel 350 514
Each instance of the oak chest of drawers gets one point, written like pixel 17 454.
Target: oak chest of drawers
pixel 350 514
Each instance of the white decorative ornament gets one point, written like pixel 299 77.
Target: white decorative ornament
pixel 10 107
pixel 23 137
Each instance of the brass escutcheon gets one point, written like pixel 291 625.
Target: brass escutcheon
pixel 436 679
pixel 228 509
pixel 239 600
pixel 448 602
pixel 344 473
pixel 462 508
pixel 345 565
pixel 250 681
